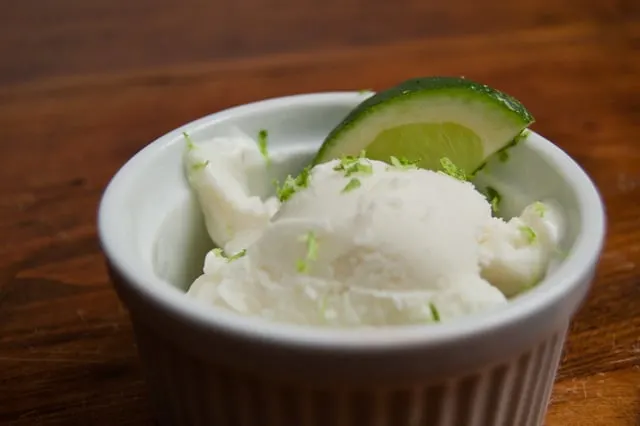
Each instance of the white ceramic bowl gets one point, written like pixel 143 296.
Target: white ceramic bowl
pixel 206 366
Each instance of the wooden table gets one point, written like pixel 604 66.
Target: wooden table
pixel 86 84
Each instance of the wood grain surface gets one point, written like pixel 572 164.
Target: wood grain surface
pixel 86 84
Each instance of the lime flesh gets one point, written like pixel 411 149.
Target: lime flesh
pixel 427 143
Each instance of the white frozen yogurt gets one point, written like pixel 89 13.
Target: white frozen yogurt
pixel 220 172
pixel 360 242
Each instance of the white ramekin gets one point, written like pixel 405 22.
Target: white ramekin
pixel 205 366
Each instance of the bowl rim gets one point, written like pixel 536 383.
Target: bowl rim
pixel 157 293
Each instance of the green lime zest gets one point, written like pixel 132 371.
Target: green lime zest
pixel 292 185
pixel 312 246
pixel 529 233
pixel 301 266
pixel 539 208
pixel 365 91
pixel 503 156
pixel 218 252
pixel 287 189
pixel 403 163
pixel 494 198
pixel 435 314
pixel 311 241
pixel 238 255
pixel 263 140
pixel 354 183
pixel 199 166
pixel 190 144
pixel 303 178
pixel 452 170
pixel 351 165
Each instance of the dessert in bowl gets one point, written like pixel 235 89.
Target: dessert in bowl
pixel 300 354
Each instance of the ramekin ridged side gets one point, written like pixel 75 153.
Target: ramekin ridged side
pixel 190 391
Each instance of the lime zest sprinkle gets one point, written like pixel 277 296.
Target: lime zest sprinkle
pixel 190 144
pixel 403 163
pixel 301 266
pixel 539 208
pixel 529 233
pixel 238 255
pixel 287 189
pixel 354 183
pixel 292 185
pixel 311 241
pixel 199 166
pixel 263 141
pixel 435 314
pixel 303 178
pixel 452 170
pixel 365 168
pixel 494 198
pixel 503 156
pixel 351 165
pixel 218 252
pixel 365 91
pixel 312 246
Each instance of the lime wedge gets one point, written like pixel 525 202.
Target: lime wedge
pixel 427 119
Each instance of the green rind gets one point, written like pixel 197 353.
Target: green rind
pixel 455 87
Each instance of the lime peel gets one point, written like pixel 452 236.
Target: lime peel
pixel 263 141
pixel 351 165
pixel 190 144
pixel 218 252
pixel 311 241
pixel 430 118
pixel 529 234
pixel 354 183
pixel 494 198
pixel 199 166
pixel 292 185
pixel 435 314
pixel 539 208
pixel 403 163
